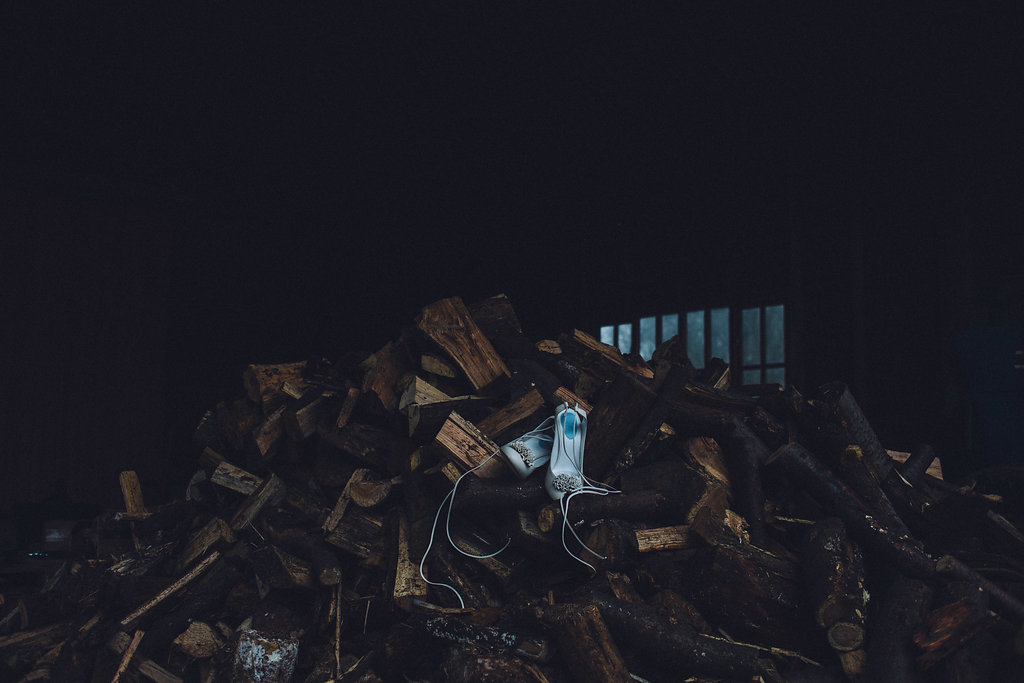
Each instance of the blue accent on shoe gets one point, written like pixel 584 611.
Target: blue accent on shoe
pixel 570 424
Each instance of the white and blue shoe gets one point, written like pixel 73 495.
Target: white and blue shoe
pixel 565 478
pixel 566 471
pixel 531 451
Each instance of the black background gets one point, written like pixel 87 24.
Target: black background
pixel 198 186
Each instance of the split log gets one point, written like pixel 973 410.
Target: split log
pixel 271 492
pixel 264 384
pixel 382 371
pixel 212 533
pixel 426 418
pixel 372 446
pixel 406 583
pixel 235 478
pixel 131 490
pixel 348 406
pixel 420 392
pixel 449 324
pixel 605 360
pixel 460 440
pixel 436 365
pixel 301 416
pixel 267 435
pixel 662 538
pixel 498 321
pixel 357 532
pixel 515 414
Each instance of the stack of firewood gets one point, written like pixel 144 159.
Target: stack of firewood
pixel 759 534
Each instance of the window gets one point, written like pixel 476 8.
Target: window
pixel 752 339
pixel 764 345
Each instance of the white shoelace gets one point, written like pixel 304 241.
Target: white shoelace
pixel 537 432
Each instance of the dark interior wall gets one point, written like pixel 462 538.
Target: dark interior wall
pixel 85 291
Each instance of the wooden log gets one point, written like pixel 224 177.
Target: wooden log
pixel 665 647
pixel 406 584
pixel 914 465
pixel 382 370
pixel 435 365
pixel 749 593
pixel 372 492
pixel 202 540
pixel 498 321
pixel 131 490
pixel 584 641
pixel 833 494
pixel 512 415
pixel 265 384
pixel 265 657
pixel 644 505
pixel 170 590
pixel 951 567
pixel 269 432
pixel 744 455
pixel 834 569
pixel 235 478
pixel 858 429
pixel 891 655
pixel 348 405
pixel 420 392
pixel 649 428
pixel 604 360
pixel 271 491
pixel 471 665
pixel 460 440
pixel 357 532
pixel 373 446
pixel 449 324
pixel 199 641
pixel 620 408
pixel 674 537
pixel 688 486
pixel 563 395
pixel 302 416
pixel 146 668
pixel 494 494
pixel 127 655
pixel 613 543
pixel 947 628
pixel 426 418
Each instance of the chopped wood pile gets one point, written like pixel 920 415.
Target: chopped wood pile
pixel 758 535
